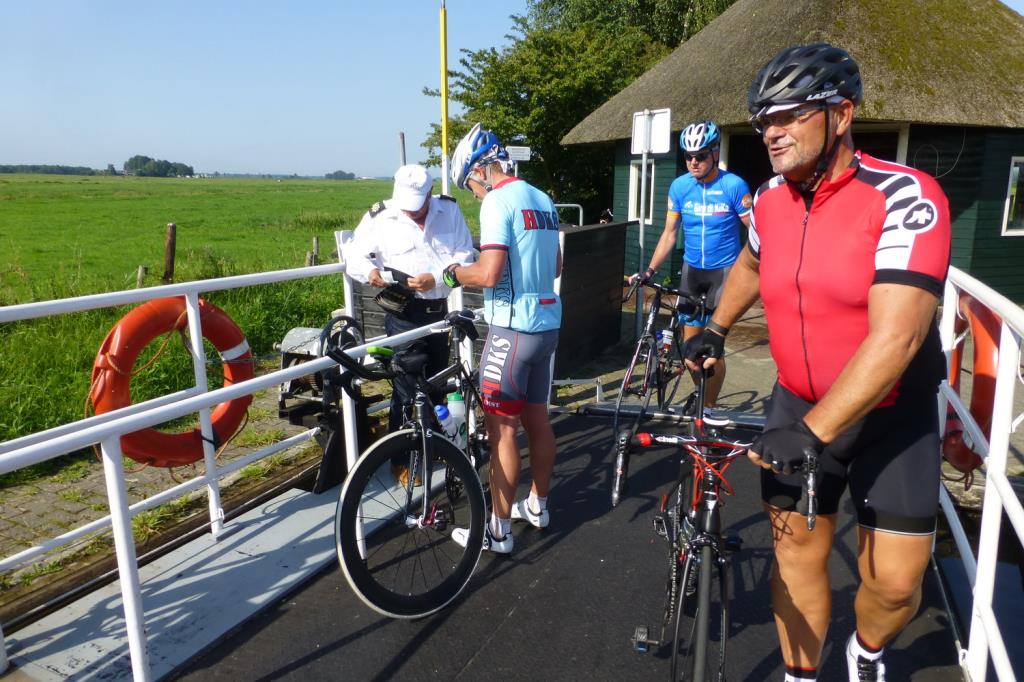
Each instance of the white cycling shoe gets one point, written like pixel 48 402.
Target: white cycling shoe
pixel 861 669
pixel 521 512
pixel 501 545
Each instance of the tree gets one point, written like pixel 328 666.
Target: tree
pixel 157 168
pixel 536 89
pixel 566 58
pixel 340 175
pixel 658 19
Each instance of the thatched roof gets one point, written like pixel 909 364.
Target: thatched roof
pixel 958 62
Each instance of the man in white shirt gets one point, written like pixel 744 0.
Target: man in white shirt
pixel 419 236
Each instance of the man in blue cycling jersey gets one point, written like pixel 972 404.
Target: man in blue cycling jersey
pixel 712 203
pixel 519 261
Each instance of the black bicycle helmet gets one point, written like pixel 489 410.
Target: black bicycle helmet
pixel 805 73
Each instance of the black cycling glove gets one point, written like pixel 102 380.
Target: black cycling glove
pixel 784 447
pixel 707 344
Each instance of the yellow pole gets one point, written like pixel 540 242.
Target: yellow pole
pixel 444 99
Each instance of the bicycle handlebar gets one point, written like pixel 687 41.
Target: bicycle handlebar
pixel 335 340
pixel 808 503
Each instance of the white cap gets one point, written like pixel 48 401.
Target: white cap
pixel 412 187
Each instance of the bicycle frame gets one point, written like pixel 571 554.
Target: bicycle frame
pixel 424 422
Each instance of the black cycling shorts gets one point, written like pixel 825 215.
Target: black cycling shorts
pixel 693 281
pixel 890 460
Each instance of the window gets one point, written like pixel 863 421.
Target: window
pixel 634 191
pixel 1013 215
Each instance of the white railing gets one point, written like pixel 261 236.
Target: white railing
pixel 985 641
pixel 107 429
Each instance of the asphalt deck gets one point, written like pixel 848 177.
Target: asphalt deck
pixel 565 604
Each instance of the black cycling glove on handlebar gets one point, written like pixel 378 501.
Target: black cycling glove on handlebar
pixel 707 344
pixel 784 447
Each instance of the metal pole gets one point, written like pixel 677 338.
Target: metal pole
pixel 348 405
pixel 127 564
pixel 992 506
pixel 195 332
pixel 444 99
pixel 401 148
pixel 641 264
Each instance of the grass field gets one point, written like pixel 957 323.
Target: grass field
pixel 64 236
pixel 73 235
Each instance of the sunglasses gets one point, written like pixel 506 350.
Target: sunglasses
pixel 783 119
pixel 699 157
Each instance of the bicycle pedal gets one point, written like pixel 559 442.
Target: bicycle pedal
pixel 732 543
pixel 640 641
pixel 660 527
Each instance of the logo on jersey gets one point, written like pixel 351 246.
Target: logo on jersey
pixel 920 217
pixel 493 369
pixel 539 220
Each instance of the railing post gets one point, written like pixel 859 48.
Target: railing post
pixel 195 332
pixel 348 405
pixel 4 663
pixel 127 564
pixel 992 506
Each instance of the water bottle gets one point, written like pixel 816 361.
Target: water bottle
pixel 457 409
pixel 664 342
pixel 444 418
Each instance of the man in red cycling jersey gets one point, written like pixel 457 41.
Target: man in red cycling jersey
pixel 848 254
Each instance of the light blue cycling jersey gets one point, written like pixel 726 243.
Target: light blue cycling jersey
pixel 521 220
pixel 710 216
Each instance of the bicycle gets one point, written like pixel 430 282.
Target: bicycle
pixel 690 521
pixel 659 366
pixel 393 541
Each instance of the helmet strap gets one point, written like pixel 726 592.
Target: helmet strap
pixel 824 159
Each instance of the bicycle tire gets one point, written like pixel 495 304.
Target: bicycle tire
pixel 642 354
pixel 703 657
pixel 646 353
pixel 672 369
pixel 408 571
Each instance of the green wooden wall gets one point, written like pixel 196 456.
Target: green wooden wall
pixel 956 158
pixel 666 169
pixel 973 167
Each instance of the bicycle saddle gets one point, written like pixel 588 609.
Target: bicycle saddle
pixel 405 362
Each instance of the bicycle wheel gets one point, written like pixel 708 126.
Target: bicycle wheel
pixel 639 378
pixel 680 529
pixel 701 633
pixel 672 369
pixel 411 566
pixel 643 365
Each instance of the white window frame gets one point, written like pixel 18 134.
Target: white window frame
pixel 634 184
pixel 1009 231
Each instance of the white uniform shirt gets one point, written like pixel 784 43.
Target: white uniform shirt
pixel 392 239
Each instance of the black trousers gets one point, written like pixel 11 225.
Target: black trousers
pixel 436 348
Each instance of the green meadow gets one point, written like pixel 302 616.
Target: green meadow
pixel 63 236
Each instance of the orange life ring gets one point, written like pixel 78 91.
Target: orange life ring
pixel 111 374
pixel 985 328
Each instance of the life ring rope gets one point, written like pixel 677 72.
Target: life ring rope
pixel 109 389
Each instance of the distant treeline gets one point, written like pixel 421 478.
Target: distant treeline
pixel 340 175
pixel 155 168
pixel 51 170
